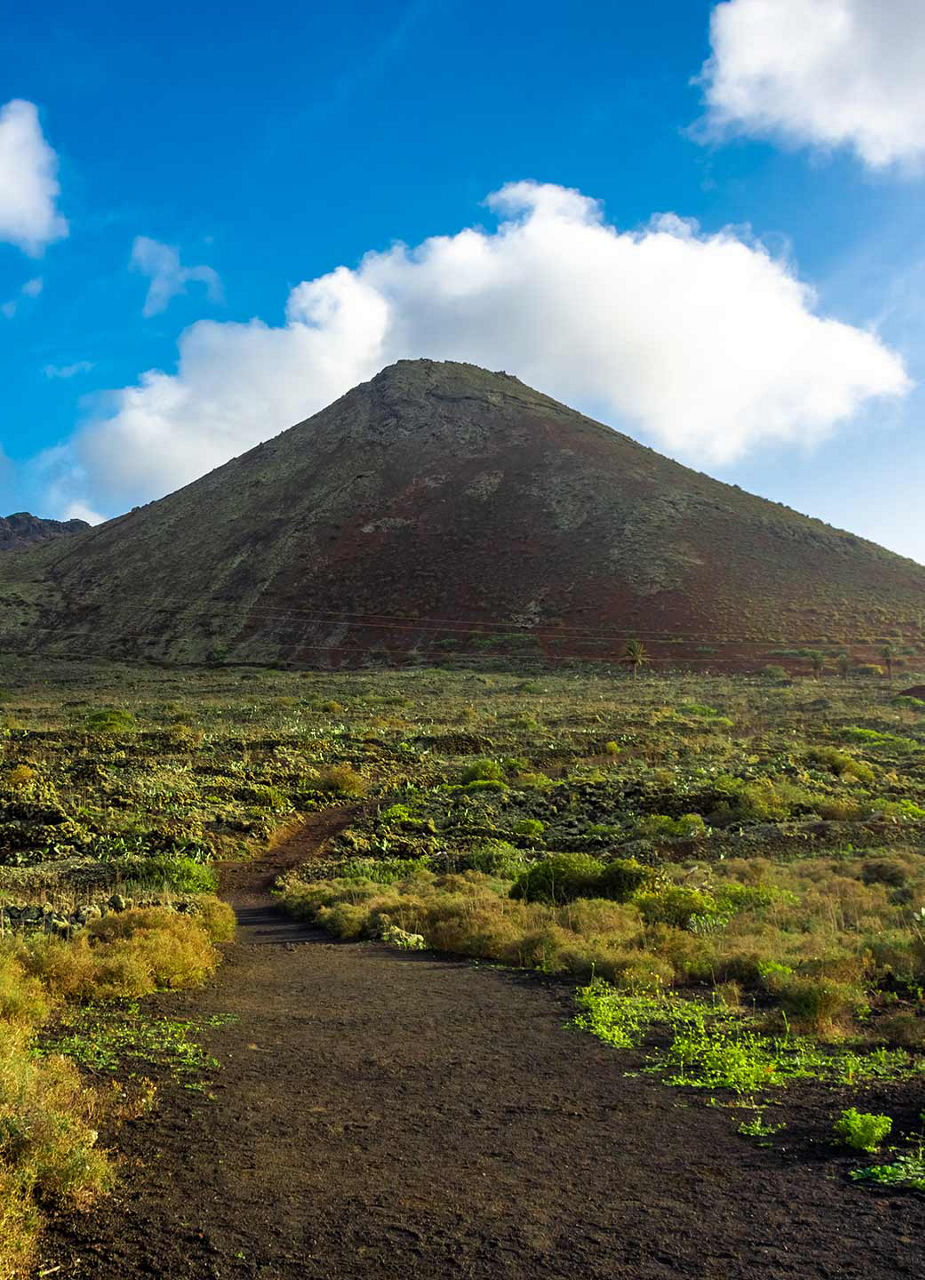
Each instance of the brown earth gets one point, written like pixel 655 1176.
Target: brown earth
pixel 384 1115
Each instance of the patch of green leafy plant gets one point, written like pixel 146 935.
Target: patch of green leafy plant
pixel 618 1018
pixel 690 826
pixel 862 1130
pixel 711 1052
pixel 759 1127
pixel 109 1038
pixel 712 1047
pixel 907 1170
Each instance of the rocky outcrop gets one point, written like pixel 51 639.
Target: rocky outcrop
pixel 50 917
pixel 23 530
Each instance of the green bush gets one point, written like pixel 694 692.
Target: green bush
pixel 497 858
pixel 483 771
pixel 862 1130
pixel 111 720
pixel 623 877
pixel 560 878
pixel 529 828
pixel 840 763
pixel 675 904
pixel 382 870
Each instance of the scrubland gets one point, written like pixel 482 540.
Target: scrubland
pixel 731 869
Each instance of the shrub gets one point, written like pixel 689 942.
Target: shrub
pixel 497 858
pixel 862 1130
pixel 111 720
pixel 641 971
pixel 560 878
pixel 890 871
pixel 48 1149
pixel 23 999
pixel 906 1029
pixel 840 763
pixel 529 828
pixel 817 1004
pixel 216 917
pixel 675 904
pixel 483 771
pixel 622 878
pixel 339 780
pixel 130 953
pixel 347 920
pixel 48 1128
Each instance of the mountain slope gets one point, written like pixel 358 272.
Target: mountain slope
pixel 441 507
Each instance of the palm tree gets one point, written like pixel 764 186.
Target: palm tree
pixel 635 656
pixel 844 665
pixel 888 653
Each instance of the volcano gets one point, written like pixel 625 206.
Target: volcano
pixel 441 509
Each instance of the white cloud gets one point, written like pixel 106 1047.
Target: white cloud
pixel 68 370
pixel 161 263
pixel 706 344
pixel 827 73
pixel 28 181
pixel 31 289
pixel 80 511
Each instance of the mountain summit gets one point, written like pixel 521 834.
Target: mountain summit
pixel 441 508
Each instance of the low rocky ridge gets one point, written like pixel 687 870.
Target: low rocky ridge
pixel 22 529
pixel 65 921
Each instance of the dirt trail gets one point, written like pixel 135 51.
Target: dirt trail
pixel 381 1115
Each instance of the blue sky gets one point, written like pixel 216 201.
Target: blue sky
pixel 225 156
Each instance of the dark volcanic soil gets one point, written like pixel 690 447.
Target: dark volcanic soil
pixel 381 1115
